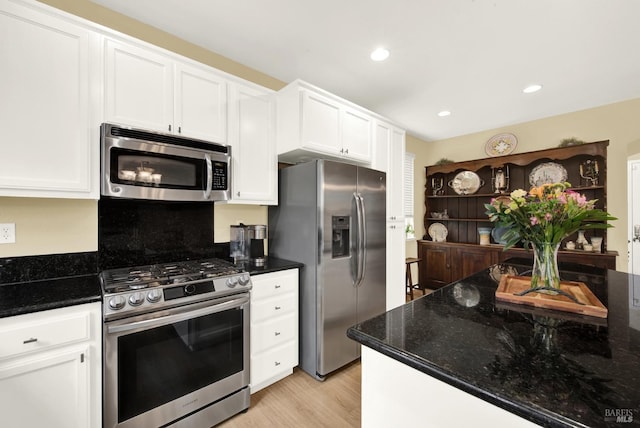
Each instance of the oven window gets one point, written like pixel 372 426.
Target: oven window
pixel 156 170
pixel 159 365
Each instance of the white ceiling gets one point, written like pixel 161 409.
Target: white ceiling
pixel 472 57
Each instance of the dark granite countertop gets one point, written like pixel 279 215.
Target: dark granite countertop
pixel 38 283
pixel 272 264
pixel 553 368
pixel 22 298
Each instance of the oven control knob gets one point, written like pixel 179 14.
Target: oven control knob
pixel 136 299
pixel 244 279
pixel 232 282
pixel 117 302
pixel 154 296
pixel 189 289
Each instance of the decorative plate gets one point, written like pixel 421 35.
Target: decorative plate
pixel 501 144
pixel 466 183
pixel 546 173
pixel 438 232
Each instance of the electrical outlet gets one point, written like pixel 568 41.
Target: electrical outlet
pixel 7 233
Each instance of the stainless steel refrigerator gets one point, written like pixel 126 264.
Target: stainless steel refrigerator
pixel 331 217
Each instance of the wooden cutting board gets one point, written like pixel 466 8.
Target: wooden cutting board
pixel 511 285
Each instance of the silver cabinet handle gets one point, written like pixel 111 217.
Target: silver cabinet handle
pixel 278 308
pixel 277 363
pixel 179 129
pixel 277 333
pixel 277 286
pixel 169 127
pixel 30 340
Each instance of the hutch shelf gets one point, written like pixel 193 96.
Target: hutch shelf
pixel 460 215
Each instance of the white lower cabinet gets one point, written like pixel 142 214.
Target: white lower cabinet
pixel 274 327
pixel 50 368
pixel 396 250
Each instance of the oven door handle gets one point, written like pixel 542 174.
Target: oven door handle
pixel 184 315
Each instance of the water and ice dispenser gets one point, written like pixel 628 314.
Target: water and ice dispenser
pixel 340 226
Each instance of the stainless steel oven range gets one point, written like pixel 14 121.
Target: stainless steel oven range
pixel 176 344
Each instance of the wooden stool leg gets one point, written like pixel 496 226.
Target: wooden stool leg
pixel 409 282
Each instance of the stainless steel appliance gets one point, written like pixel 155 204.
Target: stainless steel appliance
pixel 176 344
pixel 141 164
pixel 331 217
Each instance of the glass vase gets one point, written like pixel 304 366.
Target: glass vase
pixel 545 275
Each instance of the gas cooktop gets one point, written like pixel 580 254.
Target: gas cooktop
pixel 147 288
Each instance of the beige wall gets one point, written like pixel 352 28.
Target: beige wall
pixel 51 226
pixel 615 122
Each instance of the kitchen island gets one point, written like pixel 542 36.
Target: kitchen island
pixel 464 359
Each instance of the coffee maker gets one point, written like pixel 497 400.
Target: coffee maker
pixel 247 243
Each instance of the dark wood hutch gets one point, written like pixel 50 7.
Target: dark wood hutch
pixel 461 254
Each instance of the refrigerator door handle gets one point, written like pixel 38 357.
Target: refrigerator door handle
pixel 362 239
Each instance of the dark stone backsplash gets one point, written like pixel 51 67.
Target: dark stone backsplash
pixel 34 268
pixel 139 232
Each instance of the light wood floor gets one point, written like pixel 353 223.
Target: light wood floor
pixel 300 401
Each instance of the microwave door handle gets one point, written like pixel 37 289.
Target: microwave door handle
pixel 181 316
pixel 207 191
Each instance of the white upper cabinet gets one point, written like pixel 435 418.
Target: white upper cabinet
pixel 252 140
pixel 356 135
pixel 313 123
pixel 200 104
pixel 149 90
pixel 48 140
pixel 389 157
pixel 138 87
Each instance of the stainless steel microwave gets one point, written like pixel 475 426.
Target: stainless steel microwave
pixel 139 164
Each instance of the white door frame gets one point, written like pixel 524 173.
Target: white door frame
pixel 633 186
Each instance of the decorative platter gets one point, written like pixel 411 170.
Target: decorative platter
pixel 546 173
pixel 501 144
pixel 466 183
pixel 438 232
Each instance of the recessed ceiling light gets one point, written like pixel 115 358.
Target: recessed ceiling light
pixel 532 88
pixel 380 54
pixel 444 113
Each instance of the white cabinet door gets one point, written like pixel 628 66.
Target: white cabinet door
pixel 389 157
pixel 381 144
pixel 50 391
pixel 320 124
pixel 48 141
pixel 138 87
pixel 200 104
pixel 253 151
pixel 395 176
pixel 395 264
pixel 356 135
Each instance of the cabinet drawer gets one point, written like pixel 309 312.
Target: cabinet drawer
pixel 274 361
pixel 272 333
pixel 274 307
pixel 42 331
pixel 272 284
